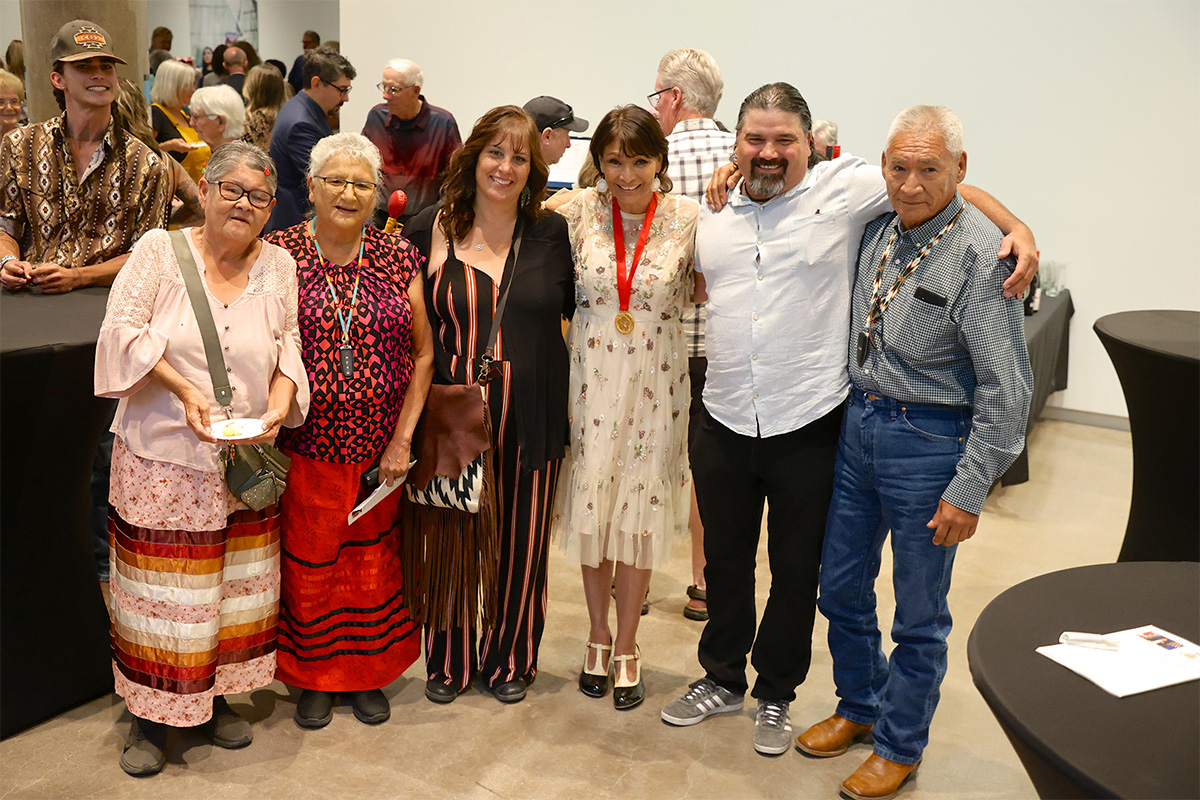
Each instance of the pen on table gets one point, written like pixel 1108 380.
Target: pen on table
pixel 1095 641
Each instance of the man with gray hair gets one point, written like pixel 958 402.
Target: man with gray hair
pixel 301 123
pixel 777 264
pixel 687 91
pixel 825 136
pixel 415 138
pixel 939 395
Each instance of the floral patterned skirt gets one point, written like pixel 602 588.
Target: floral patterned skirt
pixel 195 589
pixel 625 489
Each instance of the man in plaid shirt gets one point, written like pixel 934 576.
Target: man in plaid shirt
pixel 686 94
pixel 940 388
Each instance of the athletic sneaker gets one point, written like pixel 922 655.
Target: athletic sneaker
pixel 772 728
pixel 702 700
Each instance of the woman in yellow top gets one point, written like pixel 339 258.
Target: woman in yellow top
pixel 173 86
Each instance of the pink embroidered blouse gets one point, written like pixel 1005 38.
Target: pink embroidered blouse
pixel 149 316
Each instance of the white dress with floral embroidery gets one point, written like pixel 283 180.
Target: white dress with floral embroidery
pixel 625 488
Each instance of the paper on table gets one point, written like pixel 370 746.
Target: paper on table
pixel 373 499
pixel 1148 658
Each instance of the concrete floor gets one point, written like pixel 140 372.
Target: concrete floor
pixel 561 744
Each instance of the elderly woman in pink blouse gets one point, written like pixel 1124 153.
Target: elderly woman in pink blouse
pixel 195 577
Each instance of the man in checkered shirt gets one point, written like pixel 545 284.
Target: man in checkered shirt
pixel 686 94
pixel 938 403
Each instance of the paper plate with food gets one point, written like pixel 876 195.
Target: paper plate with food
pixel 238 428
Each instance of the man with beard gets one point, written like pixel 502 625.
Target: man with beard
pixel 777 265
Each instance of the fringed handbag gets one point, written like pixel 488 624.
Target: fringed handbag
pixel 450 540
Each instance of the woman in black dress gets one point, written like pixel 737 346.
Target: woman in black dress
pixel 495 183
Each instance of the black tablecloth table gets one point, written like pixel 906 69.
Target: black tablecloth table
pixel 1075 739
pixel 1048 337
pixel 1157 358
pixel 54 630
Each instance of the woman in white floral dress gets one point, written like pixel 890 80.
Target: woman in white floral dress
pixel 624 492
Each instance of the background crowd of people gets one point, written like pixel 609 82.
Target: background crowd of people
pixel 333 331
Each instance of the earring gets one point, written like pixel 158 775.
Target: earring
pixel 657 184
pixel 524 197
pixel 602 186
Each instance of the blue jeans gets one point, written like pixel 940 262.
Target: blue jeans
pixel 894 461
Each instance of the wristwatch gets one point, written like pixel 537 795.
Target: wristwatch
pixel 4 260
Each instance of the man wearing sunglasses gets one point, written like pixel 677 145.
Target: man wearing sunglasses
pixel 300 125
pixel 555 121
pixel 415 138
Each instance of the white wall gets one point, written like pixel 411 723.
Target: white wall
pixel 281 23
pixel 1082 116
pixel 10 23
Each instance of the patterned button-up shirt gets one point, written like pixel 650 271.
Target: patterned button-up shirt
pixel 695 148
pixel 948 337
pixel 415 151
pixel 76 223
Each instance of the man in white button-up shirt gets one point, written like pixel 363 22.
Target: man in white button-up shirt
pixel 778 266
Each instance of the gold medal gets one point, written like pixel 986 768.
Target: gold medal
pixel 624 322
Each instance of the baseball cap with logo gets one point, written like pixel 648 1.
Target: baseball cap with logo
pixel 550 112
pixel 80 39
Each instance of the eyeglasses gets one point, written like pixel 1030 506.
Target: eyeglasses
pixel 14 103
pixel 196 116
pixel 391 91
pixel 654 98
pixel 344 91
pixel 338 185
pixel 233 192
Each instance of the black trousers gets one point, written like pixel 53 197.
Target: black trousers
pixel 734 474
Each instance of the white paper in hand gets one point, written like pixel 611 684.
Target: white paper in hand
pixel 373 499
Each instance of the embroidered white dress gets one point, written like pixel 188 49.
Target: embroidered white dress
pixel 625 487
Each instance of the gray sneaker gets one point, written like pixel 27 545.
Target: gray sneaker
pixel 144 752
pixel 772 728
pixel 702 700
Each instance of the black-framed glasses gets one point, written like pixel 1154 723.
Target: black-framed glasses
pixel 234 192
pixel 338 185
pixel 344 91
pixel 654 98
pixel 392 91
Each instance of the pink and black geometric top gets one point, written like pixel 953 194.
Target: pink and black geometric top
pixel 351 420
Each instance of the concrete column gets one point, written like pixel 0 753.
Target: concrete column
pixel 124 20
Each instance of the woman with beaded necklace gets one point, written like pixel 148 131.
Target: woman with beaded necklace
pixel 367 348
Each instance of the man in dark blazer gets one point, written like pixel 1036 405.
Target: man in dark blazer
pixel 300 125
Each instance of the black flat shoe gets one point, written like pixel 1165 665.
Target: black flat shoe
pixel 371 707
pixel 593 682
pixel 628 693
pixel 315 709
pixel 439 692
pixel 510 691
